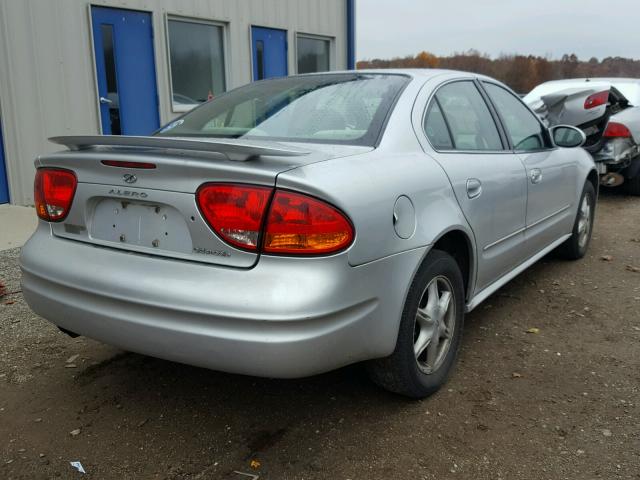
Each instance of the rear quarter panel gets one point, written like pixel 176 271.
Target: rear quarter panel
pixel 367 186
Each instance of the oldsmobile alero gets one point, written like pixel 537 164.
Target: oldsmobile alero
pixel 296 225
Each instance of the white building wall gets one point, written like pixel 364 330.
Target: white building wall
pixel 47 73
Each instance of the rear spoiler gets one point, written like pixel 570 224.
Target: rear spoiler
pixel 235 150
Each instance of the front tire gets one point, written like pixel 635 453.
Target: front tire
pixel 430 331
pixel 576 246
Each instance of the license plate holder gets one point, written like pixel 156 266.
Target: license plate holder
pixel 144 224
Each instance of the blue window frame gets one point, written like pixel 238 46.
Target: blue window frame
pixel 4 185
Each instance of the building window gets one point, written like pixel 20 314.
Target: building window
pixel 196 53
pixel 313 54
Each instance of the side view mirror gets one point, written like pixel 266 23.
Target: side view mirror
pixel 566 136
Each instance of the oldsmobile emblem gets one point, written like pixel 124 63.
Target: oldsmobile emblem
pixel 129 178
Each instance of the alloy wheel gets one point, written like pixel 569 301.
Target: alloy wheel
pixel 434 324
pixel 584 221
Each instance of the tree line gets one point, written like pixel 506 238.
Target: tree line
pixel 522 73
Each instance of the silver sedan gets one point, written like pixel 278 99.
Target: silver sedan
pixel 296 225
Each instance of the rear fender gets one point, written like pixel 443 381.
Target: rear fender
pixel 367 187
pixel 470 281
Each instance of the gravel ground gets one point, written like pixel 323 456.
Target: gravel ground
pixel 562 403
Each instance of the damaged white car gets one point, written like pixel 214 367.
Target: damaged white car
pixel 608 111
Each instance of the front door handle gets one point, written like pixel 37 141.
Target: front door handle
pixel 106 101
pixel 474 187
pixel 535 175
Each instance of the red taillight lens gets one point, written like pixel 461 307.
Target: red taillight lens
pixel 54 189
pixel 616 130
pixel 596 100
pixel 299 224
pixel 296 223
pixel 235 212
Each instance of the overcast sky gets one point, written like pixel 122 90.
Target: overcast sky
pixel 588 28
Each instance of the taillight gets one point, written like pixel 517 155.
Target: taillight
pixel 235 212
pixel 54 189
pixel 295 223
pixel 299 224
pixel 616 130
pixel 596 100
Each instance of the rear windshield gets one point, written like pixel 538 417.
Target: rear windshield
pixel 330 108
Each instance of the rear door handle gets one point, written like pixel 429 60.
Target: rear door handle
pixel 474 187
pixel 105 101
pixel 535 175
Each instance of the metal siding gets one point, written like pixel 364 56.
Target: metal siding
pixel 47 78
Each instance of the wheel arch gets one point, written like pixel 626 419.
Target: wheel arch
pixel 594 178
pixel 458 242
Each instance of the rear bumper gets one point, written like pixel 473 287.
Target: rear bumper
pixel 286 317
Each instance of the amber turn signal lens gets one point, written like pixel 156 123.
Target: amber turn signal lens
pixel 296 224
pixel 303 225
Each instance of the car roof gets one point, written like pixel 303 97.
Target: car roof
pixel 422 73
pixel 593 79
pixel 414 72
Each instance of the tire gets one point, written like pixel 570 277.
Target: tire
pixel 632 185
pixel 403 372
pixel 576 246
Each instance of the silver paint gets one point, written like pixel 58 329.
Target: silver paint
pixel 209 304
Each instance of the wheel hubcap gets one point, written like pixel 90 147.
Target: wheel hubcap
pixel 434 325
pixel 584 221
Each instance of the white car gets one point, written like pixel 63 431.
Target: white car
pixel 608 111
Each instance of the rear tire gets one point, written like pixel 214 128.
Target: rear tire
pixel 632 185
pixel 576 246
pixel 430 331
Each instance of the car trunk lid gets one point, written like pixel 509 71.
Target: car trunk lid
pixel 574 106
pixel 153 210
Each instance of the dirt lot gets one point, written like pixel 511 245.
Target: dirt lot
pixel 563 403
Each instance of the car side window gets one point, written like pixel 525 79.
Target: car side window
pixel 468 117
pixel 436 128
pixel 523 128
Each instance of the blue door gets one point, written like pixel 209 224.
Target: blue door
pixel 269 52
pixel 125 68
pixel 4 186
